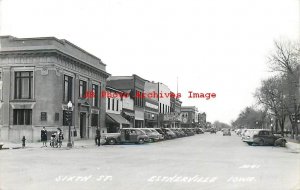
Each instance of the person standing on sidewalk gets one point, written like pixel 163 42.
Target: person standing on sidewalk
pixel 44 136
pixel 60 137
pixel 97 138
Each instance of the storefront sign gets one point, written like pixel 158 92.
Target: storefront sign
pixel 149 105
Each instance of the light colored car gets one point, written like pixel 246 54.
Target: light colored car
pixel 161 137
pixel 153 137
pixel 248 133
pixel 226 132
pixel 243 133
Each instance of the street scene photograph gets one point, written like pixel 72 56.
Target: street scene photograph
pixel 150 94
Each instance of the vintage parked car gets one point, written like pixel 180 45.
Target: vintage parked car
pixel 243 131
pixel 163 133
pixel 126 135
pixel 199 131
pixel 181 132
pixel 212 130
pixel 153 137
pixel 161 137
pixel 170 134
pixel 263 137
pixel 188 131
pixel 177 133
pixel 226 132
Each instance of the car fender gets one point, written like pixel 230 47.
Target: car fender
pixel 280 142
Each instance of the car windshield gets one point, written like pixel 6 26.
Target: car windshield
pixel 140 132
pixel 160 131
pixel 147 131
pixel 252 132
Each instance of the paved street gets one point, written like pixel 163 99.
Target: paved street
pixel 208 161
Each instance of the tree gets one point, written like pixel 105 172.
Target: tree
pixel 285 60
pixel 220 125
pixel 250 118
pixel 272 96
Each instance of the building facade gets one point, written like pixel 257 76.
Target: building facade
pixel 114 104
pixel 189 116
pixel 134 85
pixel 39 77
pixel 202 119
pixel 164 101
pixel 151 105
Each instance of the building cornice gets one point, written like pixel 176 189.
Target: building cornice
pixel 60 56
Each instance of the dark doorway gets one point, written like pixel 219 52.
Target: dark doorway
pixel 82 125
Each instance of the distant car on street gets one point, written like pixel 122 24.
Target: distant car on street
pixel 263 137
pixel 188 131
pixel 238 131
pixel 226 132
pixel 212 130
pixel 199 131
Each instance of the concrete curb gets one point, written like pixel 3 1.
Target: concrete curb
pixel 293 147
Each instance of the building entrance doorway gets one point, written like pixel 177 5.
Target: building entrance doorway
pixel 82 124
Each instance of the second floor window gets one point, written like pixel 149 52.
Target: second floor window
pixel 82 88
pixel 108 103
pixel 23 85
pixel 67 88
pixel 95 98
pixel 94 122
pixel 117 106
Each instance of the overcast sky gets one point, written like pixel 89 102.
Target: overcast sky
pixel 210 45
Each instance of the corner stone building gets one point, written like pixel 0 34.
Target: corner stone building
pixel 38 77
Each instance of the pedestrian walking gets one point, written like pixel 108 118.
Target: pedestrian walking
pixel 44 136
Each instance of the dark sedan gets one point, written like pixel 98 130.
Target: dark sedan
pixel 263 137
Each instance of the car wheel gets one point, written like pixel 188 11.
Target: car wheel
pixel 111 141
pixel 261 142
pixel 151 140
pixel 141 141
pixel 283 143
pixel 249 143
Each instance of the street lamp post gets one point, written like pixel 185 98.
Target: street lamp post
pixel 257 124
pixel 272 125
pixel 70 106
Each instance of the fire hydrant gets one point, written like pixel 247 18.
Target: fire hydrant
pixel 23 142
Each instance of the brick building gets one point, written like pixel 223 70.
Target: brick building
pixel 134 85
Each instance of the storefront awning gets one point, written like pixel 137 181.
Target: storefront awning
pixel 116 118
pixel 129 114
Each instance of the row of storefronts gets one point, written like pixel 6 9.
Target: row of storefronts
pixel 39 76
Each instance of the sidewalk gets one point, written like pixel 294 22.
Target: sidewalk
pixel 293 145
pixel 77 144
